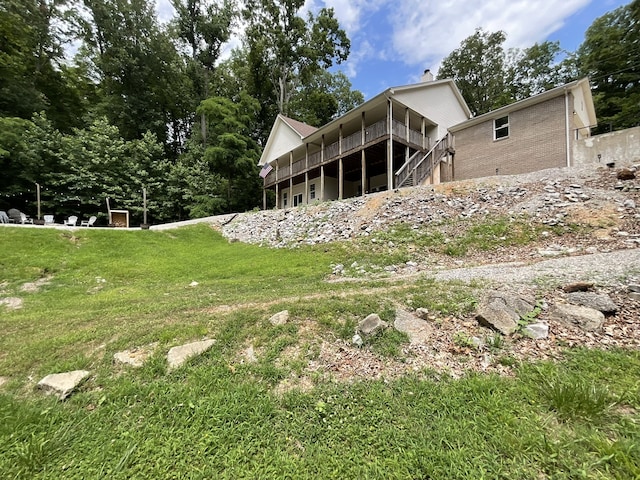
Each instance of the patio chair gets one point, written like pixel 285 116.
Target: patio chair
pixel 71 221
pixel 24 219
pixel 90 222
pixel 48 219
pixel 4 218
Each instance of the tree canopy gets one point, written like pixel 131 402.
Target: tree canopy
pixel 609 56
pixel 490 77
pixel 100 98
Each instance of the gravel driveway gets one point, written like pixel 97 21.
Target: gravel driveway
pixel 604 269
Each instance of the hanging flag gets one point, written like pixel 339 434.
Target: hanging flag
pixel 266 168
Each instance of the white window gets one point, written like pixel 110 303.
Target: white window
pixel 312 191
pixel 501 128
pixel 285 197
pixel 297 200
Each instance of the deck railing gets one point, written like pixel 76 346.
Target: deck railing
pixel 352 142
pixel 420 164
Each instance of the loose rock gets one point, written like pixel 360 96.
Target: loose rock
pixel 279 318
pixel 501 311
pixel 537 331
pixel 586 318
pixel 62 384
pixel 371 325
pixel 578 287
pixel 597 301
pixel 179 355
pixel 416 329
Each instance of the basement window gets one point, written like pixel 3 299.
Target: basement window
pixel 297 200
pixel 312 191
pixel 285 197
pixel 501 128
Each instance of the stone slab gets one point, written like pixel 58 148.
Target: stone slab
pixel 418 330
pixel 62 384
pixel 280 318
pixel 178 355
pixel 371 325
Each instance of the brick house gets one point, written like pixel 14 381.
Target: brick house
pixel 421 134
pixel 529 135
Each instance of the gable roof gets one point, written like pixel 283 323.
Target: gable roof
pixel 284 126
pixel 286 134
pixel 578 86
pixel 303 129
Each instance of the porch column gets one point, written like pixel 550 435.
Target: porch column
pixel 406 123
pixel 423 130
pixel 291 178
pixel 363 160
pixel 322 170
pixel 306 173
pixel 340 167
pixel 390 147
pixel 277 189
pixel 340 179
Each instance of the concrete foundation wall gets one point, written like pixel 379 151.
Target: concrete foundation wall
pixel 622 147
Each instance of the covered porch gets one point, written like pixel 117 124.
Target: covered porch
pixel 359 154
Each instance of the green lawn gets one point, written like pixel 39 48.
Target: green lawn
pixel 217 417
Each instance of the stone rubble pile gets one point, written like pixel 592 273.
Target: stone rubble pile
pixel 548 197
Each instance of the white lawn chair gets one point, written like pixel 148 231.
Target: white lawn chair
pixel 90 222
pixel 71 221
pixel 48 219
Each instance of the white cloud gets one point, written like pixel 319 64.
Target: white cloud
pixel 425 32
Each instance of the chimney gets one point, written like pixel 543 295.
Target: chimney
pixel 427 76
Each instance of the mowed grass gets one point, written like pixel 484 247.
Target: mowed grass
pixel 222 417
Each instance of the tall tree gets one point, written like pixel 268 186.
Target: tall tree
pixel 205 26
pixel 609 55
pixel 289 48
pixel 490 77
pixel 478 68
pixel 535 69
pixel 78 170
pixel 324 97
pixel 230 151
pixel 138 69
pixel 33 76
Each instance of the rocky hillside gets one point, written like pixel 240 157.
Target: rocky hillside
pixel 604 201
pixel 578 227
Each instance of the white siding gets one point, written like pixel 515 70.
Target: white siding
pixel 437 103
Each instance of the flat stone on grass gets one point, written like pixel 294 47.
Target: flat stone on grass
pixel 178 355
pixel 418 330
pixel 279 318
pixel 62 384
pixel 371 325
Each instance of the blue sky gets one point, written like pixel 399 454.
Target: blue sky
pixel 392 42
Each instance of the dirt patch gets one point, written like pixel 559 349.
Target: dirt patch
pixel 11 303
pixel 603 216
pixel 32 287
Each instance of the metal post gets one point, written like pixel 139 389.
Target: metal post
pixel 38 198
pixel 144 205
